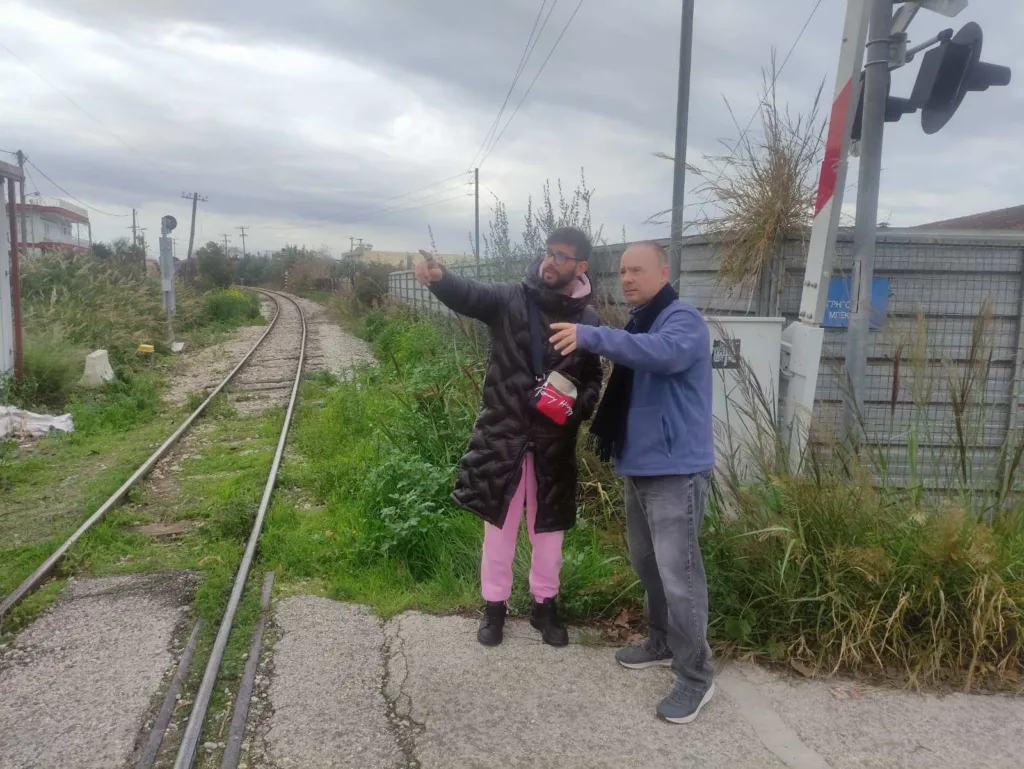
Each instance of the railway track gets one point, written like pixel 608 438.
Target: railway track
pixel 270 371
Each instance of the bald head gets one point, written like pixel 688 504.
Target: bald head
pixel 643 272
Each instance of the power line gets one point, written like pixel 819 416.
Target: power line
pixel 363 213
pixel 527 53
pixel 77 200
pixel 410 208
pixel 74 103
pixel 383 212
pixel 400 206
pixel 530 88
pixel 372 206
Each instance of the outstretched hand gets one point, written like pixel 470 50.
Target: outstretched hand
pixel 428 271
pixel 564 339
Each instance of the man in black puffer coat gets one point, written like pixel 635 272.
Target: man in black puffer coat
pixel 523 449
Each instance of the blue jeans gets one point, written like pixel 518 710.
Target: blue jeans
pixel 663 518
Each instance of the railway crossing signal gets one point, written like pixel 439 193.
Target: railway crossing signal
pixel 948 73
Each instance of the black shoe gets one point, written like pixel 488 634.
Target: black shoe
pixel 545 619
pixel 492 626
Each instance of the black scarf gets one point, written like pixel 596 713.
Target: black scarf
pixel 608 430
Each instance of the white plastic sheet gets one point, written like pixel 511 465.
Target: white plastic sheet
pixel 18 423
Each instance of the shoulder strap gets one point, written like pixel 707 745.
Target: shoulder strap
pixel 536 339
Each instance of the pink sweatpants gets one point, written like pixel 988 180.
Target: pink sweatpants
pixel 500 547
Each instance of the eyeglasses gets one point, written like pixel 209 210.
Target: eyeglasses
pixel 559 257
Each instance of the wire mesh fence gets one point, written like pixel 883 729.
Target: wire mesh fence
pixel 945 353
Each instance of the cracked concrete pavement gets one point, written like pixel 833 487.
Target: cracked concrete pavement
pixel 350 690
pixel 77 685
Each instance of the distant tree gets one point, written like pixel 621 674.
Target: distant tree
pixel 500 247
pixel 215 268
pixel 102 251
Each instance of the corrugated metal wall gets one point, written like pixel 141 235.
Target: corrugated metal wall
pixel 944 369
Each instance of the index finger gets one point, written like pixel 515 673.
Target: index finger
pixel 561 326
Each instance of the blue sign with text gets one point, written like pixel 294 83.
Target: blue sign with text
pixel 837 308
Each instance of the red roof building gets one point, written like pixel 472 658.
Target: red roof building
pixel 1003 220
pixel 52 224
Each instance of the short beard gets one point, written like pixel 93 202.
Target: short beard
pixel 560 282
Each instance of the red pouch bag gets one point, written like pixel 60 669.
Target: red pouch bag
pixel 555 394
pixel 555 398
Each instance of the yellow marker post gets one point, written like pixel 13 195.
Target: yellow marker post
pixel 147 350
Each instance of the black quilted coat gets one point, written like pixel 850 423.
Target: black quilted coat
pixel 508 425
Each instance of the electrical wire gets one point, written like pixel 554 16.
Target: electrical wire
pixel 531 43
pixel 74 103
pixel 530 88
pixel 407 205
pixel 411 208
pixel 375 204
pixel 77 200
pixel 422 202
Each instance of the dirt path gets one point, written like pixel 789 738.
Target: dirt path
pixel 331 348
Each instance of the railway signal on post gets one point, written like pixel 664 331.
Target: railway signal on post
pixel 167 225
pixel 947 74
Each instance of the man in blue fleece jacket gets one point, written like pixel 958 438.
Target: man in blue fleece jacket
pixel 655 422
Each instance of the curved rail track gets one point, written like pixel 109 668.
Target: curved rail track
pixel 33 581
pixel 193 730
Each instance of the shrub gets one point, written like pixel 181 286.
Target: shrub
pixel 231 307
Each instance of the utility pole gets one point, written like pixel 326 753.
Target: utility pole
pixel 135 228
pixel 22 158
pixel 682 123
pixel 10 287
pixel 476 187
pixel 242 230
pixel 225 236
pixel 876 92
pixel 196 198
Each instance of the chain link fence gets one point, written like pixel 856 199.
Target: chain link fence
pixel 945 354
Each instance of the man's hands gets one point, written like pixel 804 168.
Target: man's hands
pixel 428 271
pixel 564 338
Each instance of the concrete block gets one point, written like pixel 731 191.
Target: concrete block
pixel 97 370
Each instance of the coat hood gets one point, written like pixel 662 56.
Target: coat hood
pixel 555 301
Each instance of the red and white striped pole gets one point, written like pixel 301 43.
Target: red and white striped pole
pixel 802 341
pixel 832 181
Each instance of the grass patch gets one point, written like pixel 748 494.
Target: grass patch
pixel 51 485
pixel 230 308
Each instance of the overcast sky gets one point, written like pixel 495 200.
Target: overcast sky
pixel 305 120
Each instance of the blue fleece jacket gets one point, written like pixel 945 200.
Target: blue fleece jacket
pixel 669 429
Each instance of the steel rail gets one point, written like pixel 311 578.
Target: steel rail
pixel 194 727
pixel 39 575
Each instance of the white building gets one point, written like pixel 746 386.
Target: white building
pixel 52 224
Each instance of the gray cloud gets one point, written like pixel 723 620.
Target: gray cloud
pixel 302 115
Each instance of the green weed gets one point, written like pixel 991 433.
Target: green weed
pixel 231 307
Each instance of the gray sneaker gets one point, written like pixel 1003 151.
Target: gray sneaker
pixel 683 705
pixel 642 656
